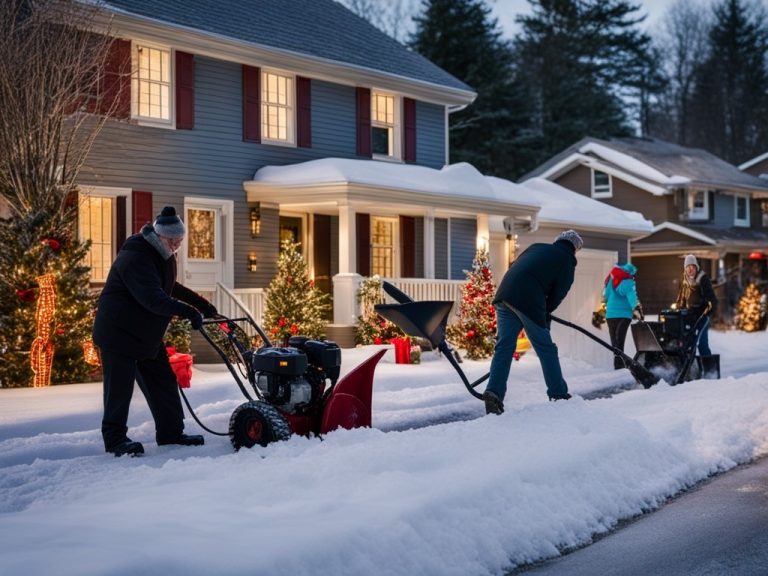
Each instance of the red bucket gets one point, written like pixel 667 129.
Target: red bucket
pixel 181 365
pixel 402 350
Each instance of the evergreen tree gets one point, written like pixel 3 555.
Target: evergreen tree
pixel 582 61
pixel 34 246
pixel 729 104
pixel 461 37
pixel 372 328
pixel 475 332
pixel 751 310
pixel 294 305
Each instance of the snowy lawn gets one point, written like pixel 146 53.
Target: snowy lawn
pixel 436 487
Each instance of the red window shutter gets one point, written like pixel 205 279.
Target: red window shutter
pixel 364 122
pixel 116 81
pixel 409 129
pixel 185 91
pixel 303 112
pixel 251 104
pixel 363 229
pixel 407 246
pixel 142 209
pixel 120 214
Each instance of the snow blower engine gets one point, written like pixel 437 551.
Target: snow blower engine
pixel 294 378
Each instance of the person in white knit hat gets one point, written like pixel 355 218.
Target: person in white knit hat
pixel 698 297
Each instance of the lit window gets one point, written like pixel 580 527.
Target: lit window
pixel 201 234
pixel 152 85
pixel 698 205
pixel 383 235
pixel 277 109
pixel 741 209
pixel 95 224
pixel 601 184
pixel 385 119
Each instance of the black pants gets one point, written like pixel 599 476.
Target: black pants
pixel 617 329
pixel 157 382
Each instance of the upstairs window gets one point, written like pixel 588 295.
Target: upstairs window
pixel 385 122
pixel 741 210
pixel 152 86
pixel 602 185
pixel 698 205
pixel 277 108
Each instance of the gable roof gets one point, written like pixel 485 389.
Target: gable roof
pixel 755 160
pixel 653 165
pixel 321 30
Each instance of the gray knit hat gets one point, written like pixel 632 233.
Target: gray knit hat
pixel 573 237
pixel 690 259
pixel 168 224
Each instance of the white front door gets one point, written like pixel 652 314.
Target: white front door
pixel 206 255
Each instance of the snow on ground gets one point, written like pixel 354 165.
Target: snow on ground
pixel 435 487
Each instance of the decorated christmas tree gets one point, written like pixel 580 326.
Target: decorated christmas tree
pixel 475 332
pixel 46 308
pixel 372 328
pixel 294 305
pixel 751 310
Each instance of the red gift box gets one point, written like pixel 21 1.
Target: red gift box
pixel 181 365
pixel 402 350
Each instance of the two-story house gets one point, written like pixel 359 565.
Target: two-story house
pixel 697 202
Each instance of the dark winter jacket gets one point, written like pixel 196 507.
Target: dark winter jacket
pixel 139 298
pixel 695 295
pixel 539 279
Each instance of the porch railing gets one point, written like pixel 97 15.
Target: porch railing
pixel 430 289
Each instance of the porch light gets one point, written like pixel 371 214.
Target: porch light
pixel 255 222
pixel 253 262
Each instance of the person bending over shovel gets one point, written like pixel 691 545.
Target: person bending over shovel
pixel 531 290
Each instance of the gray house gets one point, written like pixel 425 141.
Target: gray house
pixel 697 202
pixel 217 91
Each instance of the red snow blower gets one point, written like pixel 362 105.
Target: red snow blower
pixel 294 389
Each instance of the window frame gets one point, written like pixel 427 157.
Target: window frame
pixel 601 190
pixel 136 80
pixel 692 212
pixel 741 222
pixel 290 106
pixel 113 194
pixel 396 144
pixel 394 222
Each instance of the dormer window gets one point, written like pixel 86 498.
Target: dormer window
pixel 152 85
pixel 741 210
pixel 602 184
pixel 385 122
pixel 698 205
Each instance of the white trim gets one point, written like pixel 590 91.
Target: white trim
pixel 114 193
pixel 681 230
pixel 756 160
pixel 602 193
pixel 147 120
pixel 692 213
pixel 290 140
pixel 741 222
pixel 227 232
pixel 397 130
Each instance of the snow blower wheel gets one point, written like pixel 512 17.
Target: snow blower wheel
pixel 257 423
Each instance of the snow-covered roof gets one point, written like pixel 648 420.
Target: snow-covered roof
pixel 455 185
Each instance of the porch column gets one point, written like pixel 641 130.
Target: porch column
pixel 483 232
pixel 347 238
pixel 429 243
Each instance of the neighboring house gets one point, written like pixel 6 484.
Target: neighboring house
pixel 698 203
pixel 758 166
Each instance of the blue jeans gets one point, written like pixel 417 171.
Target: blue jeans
pixel 704 340
pixel 508 326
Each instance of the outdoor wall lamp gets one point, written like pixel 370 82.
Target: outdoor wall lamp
pixel 253 262
pixel 255 222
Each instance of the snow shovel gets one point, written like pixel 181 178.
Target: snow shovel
pixel 640 373
pixel 426 319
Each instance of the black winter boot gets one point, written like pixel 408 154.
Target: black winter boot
pixel 555 397
pixel 493 404
pixel 183 440
pixel 127 446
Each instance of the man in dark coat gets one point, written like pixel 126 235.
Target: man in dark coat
pixel 139 299
pixel 533 288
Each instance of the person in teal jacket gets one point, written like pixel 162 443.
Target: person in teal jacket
pixel 621 303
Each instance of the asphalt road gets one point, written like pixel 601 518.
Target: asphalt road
pixel 719 528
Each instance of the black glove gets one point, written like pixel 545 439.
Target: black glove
pixel 638 313
pixel 196 319
pixel 210 311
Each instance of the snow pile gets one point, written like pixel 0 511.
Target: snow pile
pixel 434 488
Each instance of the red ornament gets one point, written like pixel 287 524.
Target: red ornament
pixel 27 295
pixel 294 329
pixel 471 333
pixel 52 243
pixel 289 279
pixel 378 340
pixel 59 331
pixel 282 322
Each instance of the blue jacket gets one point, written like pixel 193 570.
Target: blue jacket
pixel 539 279
pixel 620 292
